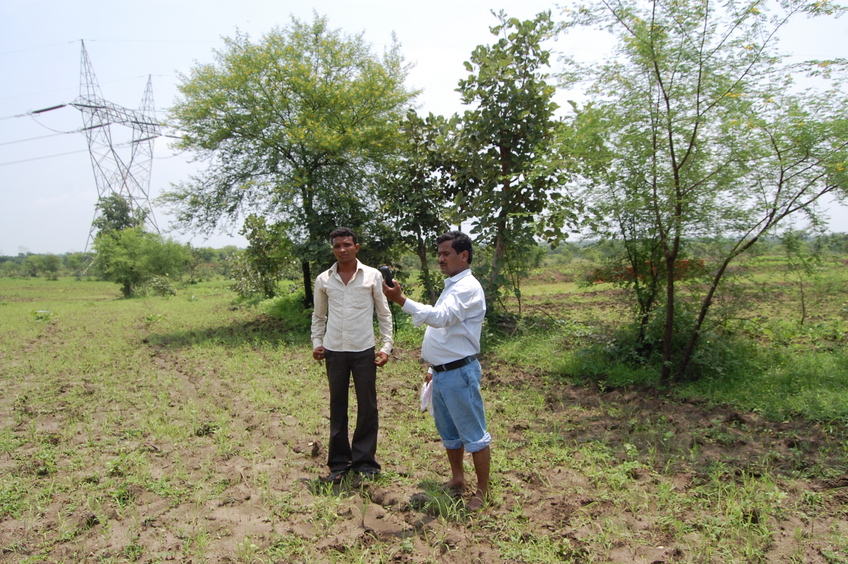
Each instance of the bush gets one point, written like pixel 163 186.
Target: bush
pixel 132 257
pixel 247 281
pixel 639 361
pixel 160 286
pixel 290 312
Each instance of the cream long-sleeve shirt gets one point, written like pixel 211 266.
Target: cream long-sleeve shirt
pixel 343 318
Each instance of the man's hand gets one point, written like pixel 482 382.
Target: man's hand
pixel 381 358
pixel 394 293
pixel 428 377
pixel 318 353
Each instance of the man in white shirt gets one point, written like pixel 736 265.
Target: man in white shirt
pixel 346 297
pixel 451 344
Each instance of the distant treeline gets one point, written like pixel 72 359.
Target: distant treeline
pixel 206 262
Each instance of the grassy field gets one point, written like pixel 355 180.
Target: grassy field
pixel 192 429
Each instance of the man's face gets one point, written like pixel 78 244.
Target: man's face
pixel 450 262
pixel 345 249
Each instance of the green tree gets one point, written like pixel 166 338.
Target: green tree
pixel 705 133
pixel 32 265
pixel 802 260
pixel 74 261
pixel 413 193
pixel 10 268
pixel 295 128
pixel 264 259
pixel 51 265
pixel 116 213
pixel 511 176
pixel 42 265
pixel 833 243
pixel 131 257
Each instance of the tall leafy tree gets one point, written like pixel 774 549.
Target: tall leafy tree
pixel 114 215
pixel 705 132
pixel 293 127
pixel 413 193
pixel 510 177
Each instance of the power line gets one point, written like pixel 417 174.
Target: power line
pixel 39 137
pixel 31 113
pixel 44 157
pixel 15 116
pixel 61 154
pixel 58 133
pixel 36 47
pixel 109 41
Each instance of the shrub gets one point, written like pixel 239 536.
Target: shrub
pixel 160 286
pixel 638 360
pixel 290 312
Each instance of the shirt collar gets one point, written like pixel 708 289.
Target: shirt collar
pixel 457 277
pixel 335 268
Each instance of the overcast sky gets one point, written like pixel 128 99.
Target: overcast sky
pixel 47 188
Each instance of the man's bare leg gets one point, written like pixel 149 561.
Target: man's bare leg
pixel 482 463
pixel 457 473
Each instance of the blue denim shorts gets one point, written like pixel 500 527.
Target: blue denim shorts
pixel 458 408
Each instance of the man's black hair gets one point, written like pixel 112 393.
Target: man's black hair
pixel 343 232
pixel 459 241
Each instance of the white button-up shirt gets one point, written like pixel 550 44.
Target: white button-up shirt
pixel 343 318
pixel 455 323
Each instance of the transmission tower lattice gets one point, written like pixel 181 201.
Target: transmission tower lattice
pixel 114 173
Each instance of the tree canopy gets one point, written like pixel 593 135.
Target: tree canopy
pixel 414 194
pixel 704 132
pixel 116 213
pixel 293 127
pixel 507 169
pixel 695 130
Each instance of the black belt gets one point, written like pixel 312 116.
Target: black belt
pixel 455 364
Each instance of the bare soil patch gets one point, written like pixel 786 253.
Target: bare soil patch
pixel 678 447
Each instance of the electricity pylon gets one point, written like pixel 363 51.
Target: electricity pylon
pixel 126 173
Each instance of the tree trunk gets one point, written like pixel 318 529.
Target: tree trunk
pixel 499 250
pixel 670 253
pixel 429 287
pixel 705 306
pixel 498 253
pixel 668 335
pixel 308 297
pixel 803 299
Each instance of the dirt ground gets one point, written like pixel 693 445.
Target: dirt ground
pixel 384 512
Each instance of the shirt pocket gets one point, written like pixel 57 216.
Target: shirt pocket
pixel 359 298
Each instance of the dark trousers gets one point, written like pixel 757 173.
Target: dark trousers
pixel 360 453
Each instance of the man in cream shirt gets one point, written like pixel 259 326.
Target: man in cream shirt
pixel 346 297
